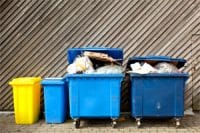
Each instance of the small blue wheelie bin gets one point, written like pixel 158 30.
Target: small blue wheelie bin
pixel 158 95
pixel 94 95
pixel 55 99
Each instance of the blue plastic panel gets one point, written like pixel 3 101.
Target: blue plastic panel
pixel 158 95
pixel 55 100
pixel 160 75
pixel 53 81
pixel 115 53
pixel 179 62
pixel 94 95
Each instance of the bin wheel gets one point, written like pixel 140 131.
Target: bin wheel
pixel 76 123
pixel 178 124
pixel 138 121
pixel 114 123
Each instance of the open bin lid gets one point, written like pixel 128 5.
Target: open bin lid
pixel 115 53
pixel 153 60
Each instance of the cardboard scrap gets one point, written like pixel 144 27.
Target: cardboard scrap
pixel 99 56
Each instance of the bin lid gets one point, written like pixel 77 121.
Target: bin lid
pixel 53 81
pixel 153 60
pixel 115 53
pixel 25 80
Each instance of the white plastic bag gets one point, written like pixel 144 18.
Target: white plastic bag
pixel 109 69
pixel 72 69
pixel 136 66
pixel 142 69
pixel 148 68
pixel 164 67
pixel 81 64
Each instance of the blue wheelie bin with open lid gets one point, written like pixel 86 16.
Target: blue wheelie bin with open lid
pixel 94 95
pixel 158 95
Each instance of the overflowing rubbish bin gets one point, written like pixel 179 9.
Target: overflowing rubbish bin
pixel 94 79
pixel 26 95
pixel 157 87
pixel 55 99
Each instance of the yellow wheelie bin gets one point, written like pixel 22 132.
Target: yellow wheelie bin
pixel 26 95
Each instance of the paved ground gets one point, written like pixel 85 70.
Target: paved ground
pixel 190 124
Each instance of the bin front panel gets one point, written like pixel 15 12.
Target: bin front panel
pixel 137 97
pixel 94 97
pixel 157 96
pixel 115 96
pixel 55 97
pixel 26 103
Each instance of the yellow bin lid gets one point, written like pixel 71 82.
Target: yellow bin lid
pixel 25 80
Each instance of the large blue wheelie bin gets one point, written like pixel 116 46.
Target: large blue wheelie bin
pixel 157 95
pixel 55 99
pixel 94 95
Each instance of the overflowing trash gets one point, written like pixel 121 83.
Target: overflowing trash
pixel 94 78
pixel 145 68
pixel 99 56
pixel 164 67
pixel 109 69
pixel 80 65
pixel 142 68
pixel 189 112
pixel 94 63
pixel 154 83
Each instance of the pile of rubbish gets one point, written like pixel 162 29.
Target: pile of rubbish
pixel 94 63
pixel 146 68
